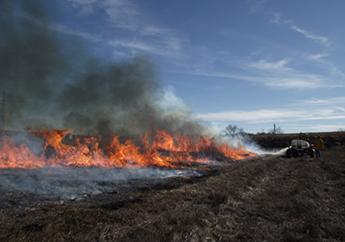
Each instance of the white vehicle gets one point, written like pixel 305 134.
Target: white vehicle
pixel 299 148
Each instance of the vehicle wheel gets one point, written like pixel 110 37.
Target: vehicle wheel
pixel 289 153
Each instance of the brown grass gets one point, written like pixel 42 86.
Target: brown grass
pixel 271 199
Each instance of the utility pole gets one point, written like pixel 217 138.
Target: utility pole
pixel 274 129
pixel 3 111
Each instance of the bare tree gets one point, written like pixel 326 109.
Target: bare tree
pixel 232 130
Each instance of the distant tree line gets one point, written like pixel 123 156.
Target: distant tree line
pixel 233 130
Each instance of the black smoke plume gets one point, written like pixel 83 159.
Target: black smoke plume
pixel 46 86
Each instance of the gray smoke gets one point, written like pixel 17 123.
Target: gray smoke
pixel 75 182
pixel 30 60
pixel 46 85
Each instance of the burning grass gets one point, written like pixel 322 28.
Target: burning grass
pixel 160 149
pixel 270 199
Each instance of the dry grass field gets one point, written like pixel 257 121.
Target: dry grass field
pixel 264 199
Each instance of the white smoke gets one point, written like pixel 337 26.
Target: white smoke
pixel 69 183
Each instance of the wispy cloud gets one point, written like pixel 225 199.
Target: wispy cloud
pixel 303 81
pixel 279 19
pixel 124 47
pixel 256 5
pixel 319 57
pixel 303 115
pixel 279 74
pixel 125 15
pixel 309 35
pixel 274 115
pixel 326 114
pixel 330 75
pixel 270 65
pixel 68 31
pixel 82 2
pixel 314 127
pixel 288 80
pixel 263 115
pixel 273 74
pixel 326 101
pixel 333 69
pixel 85 6
pixel 138 46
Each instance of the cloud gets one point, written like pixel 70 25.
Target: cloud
pixel 126 47
pixel 275 115
pixel 135 45
pixel 267 65
pixel 86 6
pixel 295 83
pixel 315 127
pixel 294 117
pixel 276 75
pixel 279 19
pixel 317 38
pixel 82 2
pixel 125 15
pixel 256 5
pixel 65 30
pixel 333 70
pixel 308 115
pixel 326 101
pixel 161 47
pixel 317 57
pixel 262 115
pixel 285 77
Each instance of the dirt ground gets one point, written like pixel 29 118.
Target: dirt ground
pixel 266 199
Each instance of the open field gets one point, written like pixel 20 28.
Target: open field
pixel 271 198
pixel 127 120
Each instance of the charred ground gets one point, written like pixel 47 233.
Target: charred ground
pixel 272 199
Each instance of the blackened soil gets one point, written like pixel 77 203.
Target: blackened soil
pixel 268 199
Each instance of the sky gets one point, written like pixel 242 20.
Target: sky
pixel 242 62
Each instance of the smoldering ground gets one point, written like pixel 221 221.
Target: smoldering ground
pixel 71 183
pixel 46 85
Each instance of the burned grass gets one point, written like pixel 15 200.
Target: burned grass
pixel 272 199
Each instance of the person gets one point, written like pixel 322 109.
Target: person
pixel 319 146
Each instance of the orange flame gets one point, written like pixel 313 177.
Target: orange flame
pixel 161 149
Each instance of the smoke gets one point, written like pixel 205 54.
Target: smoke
pixel 240 140
pixel 47 87
pixel 70 183
pixel 48 80
pixel 29 60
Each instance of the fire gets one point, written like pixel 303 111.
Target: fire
pixel 160 149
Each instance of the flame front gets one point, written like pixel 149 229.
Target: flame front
pixel 161 149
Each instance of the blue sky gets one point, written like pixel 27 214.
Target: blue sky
pixel 249 63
